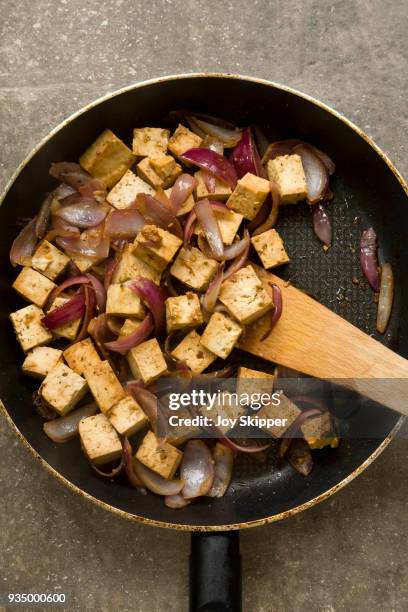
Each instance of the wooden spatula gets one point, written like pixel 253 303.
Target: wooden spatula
pixel 312 339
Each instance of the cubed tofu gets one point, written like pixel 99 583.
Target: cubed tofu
pixel 130 266
pixel 193 268
pixel 164 165
pixel 129 326
pixel 196 356
pixel 82 356
pixel 221 334
pixel 186 207
pixel 69 330
pixel 270 248
pixel 180 433
pixel 183 311
pixel 221 191
pixel 127 417
pixel 226 406
pixel 99 440
pixel 85 264
pixel 33 286
pixel 122 301
pixel 286 411
pixel 156 246
pixel 253 381
pixel 124 193
pixel 318 431
pixel 107 158
pixel 29 330
pixel 228 222
pixel 162 458
pixel 41 360
pixel 147 173
pixel 182 140
pixel 288 173
pixel 49 260
pixel 146 361
pixel 244 296
pixel 150 141
pixel 63 388
pixel 249 195
pixel 104 386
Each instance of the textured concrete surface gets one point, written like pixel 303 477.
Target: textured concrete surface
pixel 348 554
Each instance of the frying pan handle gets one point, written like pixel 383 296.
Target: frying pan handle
pixel 215 572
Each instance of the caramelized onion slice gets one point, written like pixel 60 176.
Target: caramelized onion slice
pixel 23 246
pixel 176 501
pixel 197 469
pixel 65 428
pixel 156 483
pixel 223 464
pixel 386 297
pixel 214 163
pixel 368 258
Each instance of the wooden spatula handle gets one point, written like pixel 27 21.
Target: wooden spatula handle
pixel 312 339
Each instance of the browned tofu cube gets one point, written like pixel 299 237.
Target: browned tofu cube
pixel 29 330
pixel 124 193
pixel 150 141
pixel 249 195
pixel 146 361
pixel 99 440
pixel 284 414
pixel 41 360
pixel 187 205
pixel 156 246
pixel 122 301
pixel 193 268
pixel 180 433
pixel 163 165
pixel 163 459
pixel 253 381
pixel 129 327
pixel 288 173
pixel 318 431
pixel 228 222
pixel 33 286
pixel 269 246
pixel 147 172
pixel 244 296
pixel 104 386
pixel 107 158
pixel 220 192
pixel 196 356
pixel 49 260
pixel 63 388
pixel 183 311
pixel 130 266
pixel 127 417
pixel 221 334
pixel 182 140
pixel 82 356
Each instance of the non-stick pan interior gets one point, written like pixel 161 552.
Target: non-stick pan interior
pixel 366 192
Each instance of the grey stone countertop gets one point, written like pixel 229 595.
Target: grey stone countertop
pixel 347 554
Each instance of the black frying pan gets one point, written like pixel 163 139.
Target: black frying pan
pixel 368 191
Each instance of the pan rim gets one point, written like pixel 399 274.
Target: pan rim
pixel 135 517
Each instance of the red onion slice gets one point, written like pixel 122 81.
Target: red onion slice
pixel 386 298
pixel 60 228
pixel 214 144
pixel 90 304
pixel 133 478
pixel 109 271
pixel 197 469
pixel 83 214
pixel 300 456
pixel 99 330
pixel 317 177
pixel 43 216
pixel 74 176
pixel 91 243
pixel 189 228
pixel 321 223
pixel 72 310
pixel 65 428
pixel 241 448
pixel 182 189
pixel 69 282
pixel 324 158
pixel 214 163
pixel 276 310
pixel 368 258
pixel 209 225
pixel 125 224
pixel 279 148
pixel 24 245
pixel 240 261
pixel 156 483
pixel 154 297
pixel 125 343
pixel 149 404
pixel 211 295
pixel 272 218
pixel 245 156
pixel 229 137
pixel 236 249
pixel 99 289
pixel 176 501
pixel 157 213
pixel 223 464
